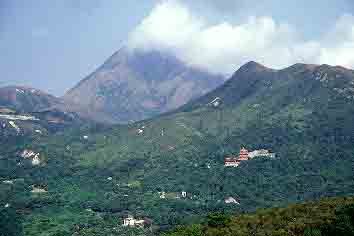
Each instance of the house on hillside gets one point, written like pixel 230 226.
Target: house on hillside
pixel 136 223
pixel 162 195
pixel 245 155
pixel 36 161
pixel 184 194
pixel 231 200
pixel 235 161
pixel 32 156
pixel 261 153
pixel 216 102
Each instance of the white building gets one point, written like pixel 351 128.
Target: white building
pixel 131 222
pixel 13 125
pixel 36 161
pixel 140 131
pixel 261 153
pixel 216 102
pixel 29 154
pixel 184 194
pixel 38 190
pixel 162 195
pixel 231 200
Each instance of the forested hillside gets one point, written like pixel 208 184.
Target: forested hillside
pixel 328 217
pixel 304 114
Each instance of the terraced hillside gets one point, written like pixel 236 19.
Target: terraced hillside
pixel 304 114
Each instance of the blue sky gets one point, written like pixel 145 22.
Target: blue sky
pixel 51 45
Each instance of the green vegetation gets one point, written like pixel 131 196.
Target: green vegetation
pixel 328 217
pixel 116 171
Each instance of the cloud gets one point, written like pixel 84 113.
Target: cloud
pixel 338 46
pixel 223 47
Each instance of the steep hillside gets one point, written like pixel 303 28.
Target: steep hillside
pixel 304 114
pixel 135 85
pixel 24 99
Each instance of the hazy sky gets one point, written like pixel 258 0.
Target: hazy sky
pixel 53 44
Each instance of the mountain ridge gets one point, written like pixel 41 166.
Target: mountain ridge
pixel 153 82
pixel 304 115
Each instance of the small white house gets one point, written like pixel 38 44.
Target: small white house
pixel 184 194
pixel 38 131
pixel 231 200
pixel 261 153
pixel 140 131
pixel 38 190
pixel 36 161
pixel 162 195
pixel 33 156
pixel 131 222
pixel 13 124
pixel 216 102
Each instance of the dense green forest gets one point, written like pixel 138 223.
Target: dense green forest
pixel 328 217
pixel 94 176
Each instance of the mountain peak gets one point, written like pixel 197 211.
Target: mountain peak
pixel 253 66
pixel 136 84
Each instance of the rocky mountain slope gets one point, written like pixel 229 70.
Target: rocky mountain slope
pixel 27 111
pixel 129 86
pixel 134 85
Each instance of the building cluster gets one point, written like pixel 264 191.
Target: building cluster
pixel 215 103
pixel 245 155
pixel 136 223
pixel 34 157
pixel 183 194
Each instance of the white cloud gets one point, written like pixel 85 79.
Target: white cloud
pixel 223 47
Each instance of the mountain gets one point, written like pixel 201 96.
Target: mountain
pixel 26 112
pixel 131 85
pixel 134 85
pixel 26 99
pixel 304 114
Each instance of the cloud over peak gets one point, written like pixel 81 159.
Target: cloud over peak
pixel 223 47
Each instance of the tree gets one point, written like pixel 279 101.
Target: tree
pixel 344 223
pixel 218 220
pixel 10 224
